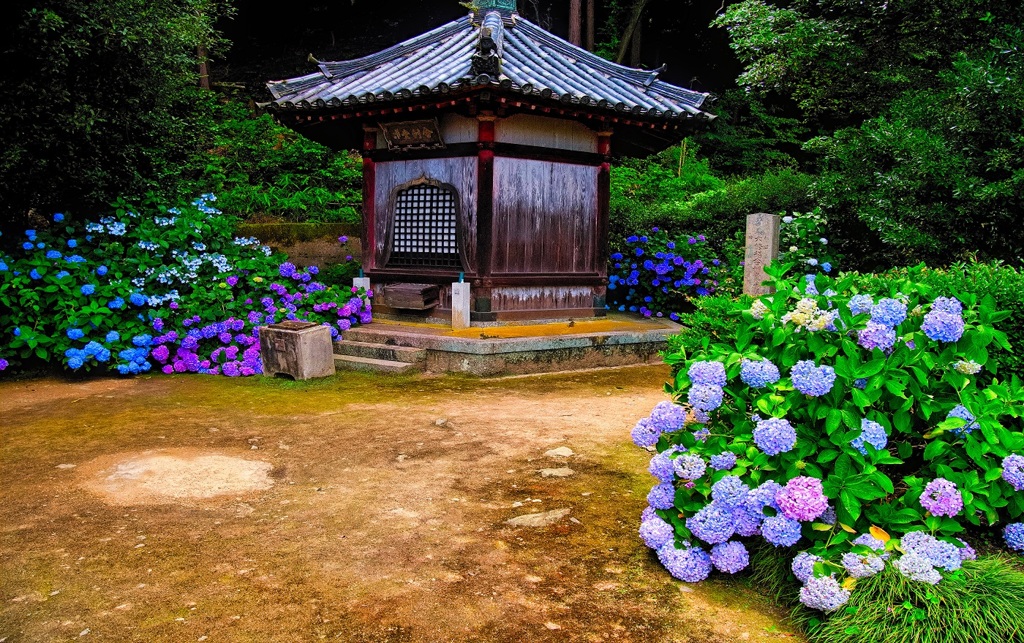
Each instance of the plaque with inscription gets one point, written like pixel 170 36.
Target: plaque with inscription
pixel 413 135
pixel 762 247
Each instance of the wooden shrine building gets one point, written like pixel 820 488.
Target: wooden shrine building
pixel 486 147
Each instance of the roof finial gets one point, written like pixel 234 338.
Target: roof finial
pixel 505 7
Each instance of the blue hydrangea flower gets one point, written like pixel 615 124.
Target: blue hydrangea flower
pixel 713 523
pixel 871 433
pixel 667 417
pixel 1013 471
pixel 803 566
pixel 942 326
pixel 62 274
pixel 707 372
pixel 889 312
pixel 823 593
pixel 764 496
pixel 28 245
pixel 75 333
pixel 689 466
pixel 960 411
pixel 868 540
pixel 34 274
pixel 102 270
pixel 142 340
pixel 1013 534
pixel 730 557
pixel 723 461
pixel 53 254
pixel 860 304
pixel 781 531
pixel 827 267
pixel 706 397
pixel 690 564
pixel 137 299
pixel 75 363
pixel 113 336
pixel 876 335
pixel 949 305
pixel 655 532
pixel 661 467
pixel 862 565
pixel 72 243
pixel 758 373
pixel 746 520
pixel 92 349
pixel 774 436
pixel 730 491
pixel 644 434
pixel 812 380
pixel 58 217
pixel 860 383
pixel 662 496
pixel 88 289
pixel 917 568
pixel 115 303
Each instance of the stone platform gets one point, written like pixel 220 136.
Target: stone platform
pixel 565 345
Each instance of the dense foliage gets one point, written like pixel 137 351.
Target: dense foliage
pixel 151 286
pixel 851 430
pixel 100 99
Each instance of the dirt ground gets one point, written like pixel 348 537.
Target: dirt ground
pixel 376 511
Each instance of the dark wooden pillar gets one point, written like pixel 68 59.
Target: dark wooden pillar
pixel 484 211
pixel 369 200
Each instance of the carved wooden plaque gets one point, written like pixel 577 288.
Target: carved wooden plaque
pixel 413 135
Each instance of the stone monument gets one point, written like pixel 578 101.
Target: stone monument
pixel 762 247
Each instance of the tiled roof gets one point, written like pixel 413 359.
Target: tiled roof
pixel 455 56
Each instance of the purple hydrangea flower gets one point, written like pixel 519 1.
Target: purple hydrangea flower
pixel 942 326
pixel 860 304
pixel 828 517
pixel 871 433
pixel 712 524
pixel 781 531
pixel 942 498
pixel 802 499
pixel 812 380
pixel 949 305
pixel 707 372
pixel 803 566
pixel 1013 471
pixel 1013 534
pixel 868 540
pixel 723 461
pixel 690 564
pixel 689 466
pixel 877 335
pixel 862 565
pixel 706 397
pixel 960 411
pixel 759 373
pixel 746 520
pixel 730 557
pixel 667 417
pixel 730 491
pixel 966 551
pixel 655 532
pixel 764 496
pixel 774 436
pixel 823 593
pixel 662 496
pixel 644 434
pixel 889 312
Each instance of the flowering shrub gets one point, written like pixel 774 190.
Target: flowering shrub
pixel 849 451
pixel 174 290
pixel 656 273
pixel 803 240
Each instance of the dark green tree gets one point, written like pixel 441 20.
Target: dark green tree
pixel 100 99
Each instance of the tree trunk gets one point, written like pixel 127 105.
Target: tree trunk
pixel 575 21
pixel 635 44
pixel 204 67
pixel 631 27
pixel 590 25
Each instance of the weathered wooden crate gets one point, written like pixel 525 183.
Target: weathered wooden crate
pixel 301 350
pixel 412 296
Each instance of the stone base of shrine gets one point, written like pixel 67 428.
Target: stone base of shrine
pixel 493 350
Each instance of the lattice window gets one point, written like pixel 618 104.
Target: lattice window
pixel 426 228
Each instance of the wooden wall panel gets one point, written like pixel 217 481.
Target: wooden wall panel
pixel 509 298
pixel 555 133
pixel 545 217
pixel 458 171
pixel 458 129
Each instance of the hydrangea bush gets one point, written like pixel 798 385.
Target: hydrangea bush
pixel 849 430
pixel 803 240
pixel 655 274
pixel 172 289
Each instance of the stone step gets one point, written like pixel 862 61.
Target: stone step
pixel 390 336
pixel 375 350
pixel 352 363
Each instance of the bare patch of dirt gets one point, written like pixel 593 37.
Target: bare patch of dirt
pixel 168 475
pixel 386 520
